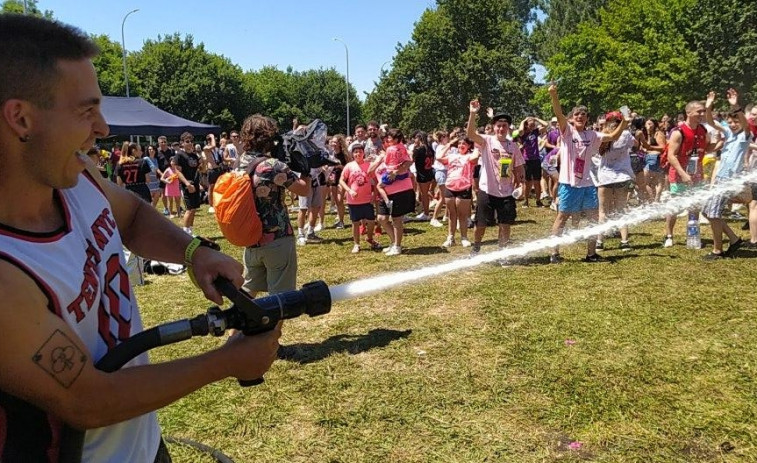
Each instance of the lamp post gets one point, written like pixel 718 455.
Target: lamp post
pixel 382 68
pixel 347 82
pixel 123 47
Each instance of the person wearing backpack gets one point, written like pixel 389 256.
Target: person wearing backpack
pixel 271 264
pixel 686 148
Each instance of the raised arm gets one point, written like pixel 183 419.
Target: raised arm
pixel 733 99
pixel 708 112
pixel 562 121
pixel 470 131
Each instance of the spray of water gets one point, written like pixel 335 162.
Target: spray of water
pixel 693 199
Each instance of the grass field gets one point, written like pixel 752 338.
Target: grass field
pixel 647 357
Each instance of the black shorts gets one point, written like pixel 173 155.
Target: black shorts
pixel 141 190
pixel 404 203
pixel 533 170
pixel 360 212
pixel 191 200
pixel 424 176
pixel 213 175
pixel 488 206
pixel 464 194
pixel 477 171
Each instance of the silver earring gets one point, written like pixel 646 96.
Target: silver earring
pixel 24 139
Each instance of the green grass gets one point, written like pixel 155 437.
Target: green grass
pixel 474 366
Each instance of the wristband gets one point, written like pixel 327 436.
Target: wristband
pixel 189 252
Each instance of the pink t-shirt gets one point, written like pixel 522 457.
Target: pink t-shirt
pixel 459 170
pixel 395 156
pixel 490 181
pixel 577 144
pixel 356 177
pixel 396 186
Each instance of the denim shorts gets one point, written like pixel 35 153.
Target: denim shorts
pixel 441 177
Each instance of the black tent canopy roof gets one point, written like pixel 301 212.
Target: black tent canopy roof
pixel 135 116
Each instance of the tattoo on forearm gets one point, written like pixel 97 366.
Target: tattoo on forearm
pixel 61 358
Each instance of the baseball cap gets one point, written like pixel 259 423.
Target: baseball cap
pixel 554 119
pixel 356 144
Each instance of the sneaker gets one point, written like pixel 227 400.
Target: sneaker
pixel 475 249
pixel 553 206
pixel 436 223
pixel 668 243
pixel 625 246
pixel 750 245
pixel 712 256
pixel 600 245
pixel 332 210
pixel 544 195
pixel 318 227
pixel 555 259
pixel 539 203
pixel 465 243
pixel 375 246
pixel 733 247
pixel 165 212
pixel 301 240
pixel 313 238
pixel 421 216
pixel 387 249
pixel 394 251
pixel 339 225
pixel 390 206
pixel 594 258
pixel 211 210
pixel 355 248
pixel 449 242
pixel 735 215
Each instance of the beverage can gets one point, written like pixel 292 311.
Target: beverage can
pixel 504 167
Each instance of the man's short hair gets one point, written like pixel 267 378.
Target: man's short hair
pixel 187 136
pixel 30 49
pixel 691 105
pixel 373 123
pixel 258 133
pixel 361 126
pixel 162 138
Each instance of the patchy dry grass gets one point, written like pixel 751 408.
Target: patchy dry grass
pixel 649 357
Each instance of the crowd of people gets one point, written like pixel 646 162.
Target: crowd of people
pixel 68 218
pixel 475 177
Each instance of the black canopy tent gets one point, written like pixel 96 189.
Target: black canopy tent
pixel 135 116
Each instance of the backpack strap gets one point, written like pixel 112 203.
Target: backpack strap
pixel 250 169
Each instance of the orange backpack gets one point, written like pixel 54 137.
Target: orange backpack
pixel 234 204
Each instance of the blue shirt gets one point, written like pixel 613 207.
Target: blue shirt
pixel 732 155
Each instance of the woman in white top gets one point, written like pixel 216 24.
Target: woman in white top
pixel 614 175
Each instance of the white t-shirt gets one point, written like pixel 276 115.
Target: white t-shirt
pixel 492 150
pixel 615 165
pixel 577 145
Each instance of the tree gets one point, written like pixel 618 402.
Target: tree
pixel 562 18
pixel 109 67
pixel 185 79
pixel 655 56
pixel 285 95
pixel 458 51
pixel 17 7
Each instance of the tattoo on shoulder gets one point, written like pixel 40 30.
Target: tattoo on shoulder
pixel 61 358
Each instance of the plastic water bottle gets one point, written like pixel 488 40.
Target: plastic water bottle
pixel 693 239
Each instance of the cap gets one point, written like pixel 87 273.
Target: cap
pixel 613 115
pixel 554 119
pixel 502 115
pixel 356 144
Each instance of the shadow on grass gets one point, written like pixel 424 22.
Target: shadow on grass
pixel 304 353
pixel 424 251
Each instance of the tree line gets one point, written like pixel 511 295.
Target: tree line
pixel 652 55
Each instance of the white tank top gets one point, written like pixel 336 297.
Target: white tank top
pixel 81 269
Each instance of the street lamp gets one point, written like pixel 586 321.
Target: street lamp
pixel 382 67
pixel 123 47
pixel 347 82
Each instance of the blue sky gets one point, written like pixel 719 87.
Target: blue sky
pixel 253 34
